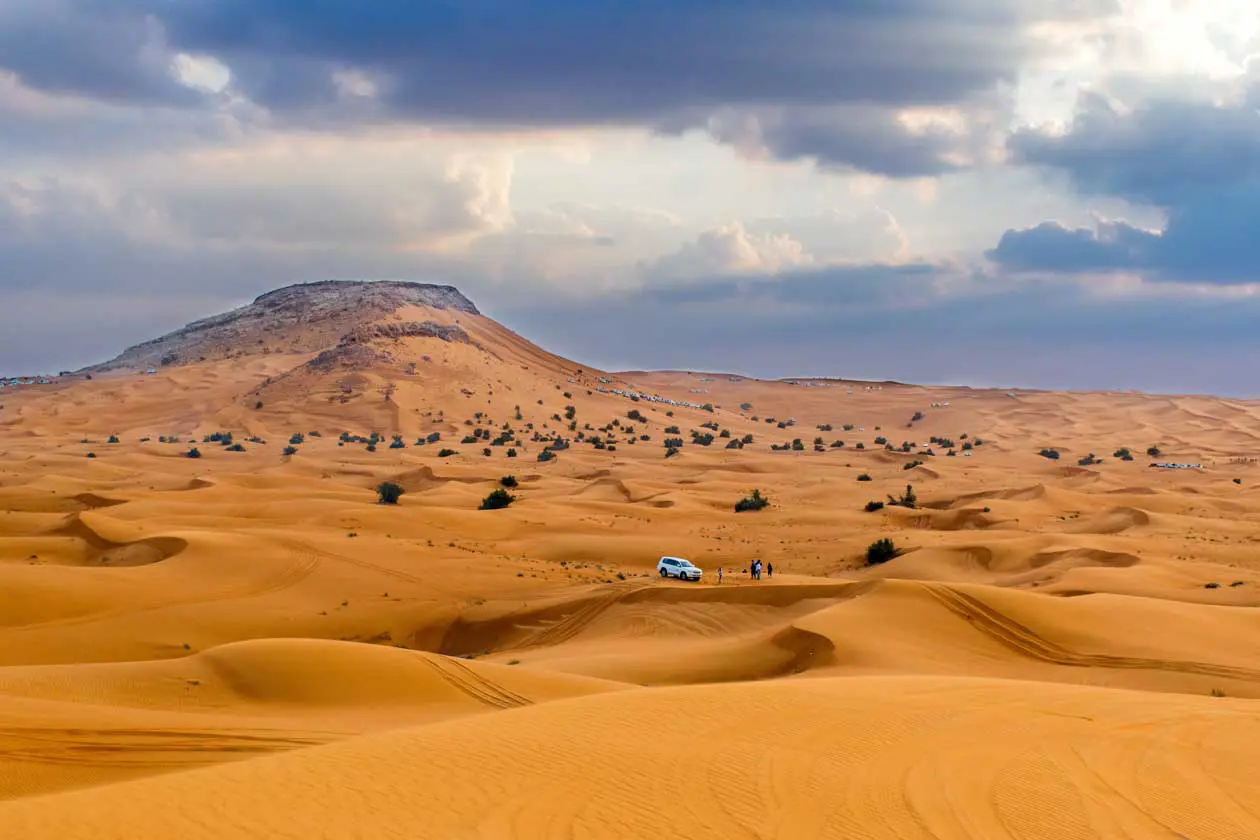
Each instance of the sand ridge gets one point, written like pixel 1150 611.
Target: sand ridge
pixel 246 644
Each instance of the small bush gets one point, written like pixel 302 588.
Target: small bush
pixel 881 551
pixel 907 499
pixel 497 500
pixel 446 453
pixel 388 493
pixel 297 438
pixel 236 447
pixel 671 451
pixel 290 450
pixel 113 439
pixel 1154 452
pixel 756 501
pixel 863 477
pixel 909 465
pixel 509 481
pixel 193 453
pixel 546 455
pixel 1052 454
pixel 511 453
pixel 91 454
pixel 1212 585
pixel 871 507
pixel 1238 481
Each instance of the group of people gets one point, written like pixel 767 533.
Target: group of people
pixel 754 570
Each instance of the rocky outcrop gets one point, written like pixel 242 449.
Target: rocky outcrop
pixel 406 329
pixel 306 318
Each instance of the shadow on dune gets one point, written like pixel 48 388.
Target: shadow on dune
pixel 99 551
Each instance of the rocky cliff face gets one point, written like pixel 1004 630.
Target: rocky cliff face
pixel 306 318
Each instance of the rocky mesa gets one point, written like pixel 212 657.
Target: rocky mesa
pixel 303 318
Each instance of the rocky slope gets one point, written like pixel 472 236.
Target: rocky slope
pixel 304 318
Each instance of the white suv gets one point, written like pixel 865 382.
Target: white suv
pixel 678 567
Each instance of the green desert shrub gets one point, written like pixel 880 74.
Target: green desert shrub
pixel 497 500
pixel 871 507
pixel 881 551
pixel 388 493
pixel 509 481
pixel 754 501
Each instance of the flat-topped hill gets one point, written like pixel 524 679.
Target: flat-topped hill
pixel 307 317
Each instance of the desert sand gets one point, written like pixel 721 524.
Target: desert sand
pixel 247 644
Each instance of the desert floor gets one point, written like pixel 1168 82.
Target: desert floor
pixel 248 645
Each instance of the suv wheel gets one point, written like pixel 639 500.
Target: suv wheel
pixel 664 573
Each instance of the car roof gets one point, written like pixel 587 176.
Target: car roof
pixel 679 559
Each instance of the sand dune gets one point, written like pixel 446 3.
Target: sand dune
pixel 246 644
pixel 903 751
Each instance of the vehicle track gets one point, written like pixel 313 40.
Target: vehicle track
pixel 143 747
pixel 1027 642
pixel 475 685
pixel 569 626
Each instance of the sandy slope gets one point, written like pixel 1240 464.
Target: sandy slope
pixel 247 645
pixel 863 757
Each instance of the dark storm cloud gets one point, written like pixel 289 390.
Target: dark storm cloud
pixel 93 48
pixel 1165 153
pixel 822 77
pixel 1198 162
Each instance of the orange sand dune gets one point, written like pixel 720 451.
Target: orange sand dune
pixel 246 644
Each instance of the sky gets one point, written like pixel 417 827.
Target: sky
pixel 1033 193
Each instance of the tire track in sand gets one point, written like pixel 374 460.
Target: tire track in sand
pixel 569 626
pixel 1023 640
pixel 475 685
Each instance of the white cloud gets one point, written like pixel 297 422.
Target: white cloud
pixel 729 249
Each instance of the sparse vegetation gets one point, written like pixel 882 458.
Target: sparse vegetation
pixel 290 450
pixel 497 500
pixel 1052 454
pixel 546 455
pixel 1123 454
pixel 873 506
pixel 446 453
pixel 864 477
pixel 236 447
pixel 112 439
pixel 881 551
pixel 388 493
pixel 755 501
pixel 1089 460
pixel 1154 452
pixel 509 481
pixel 193 453
pixel 906 500
pixel 909 465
